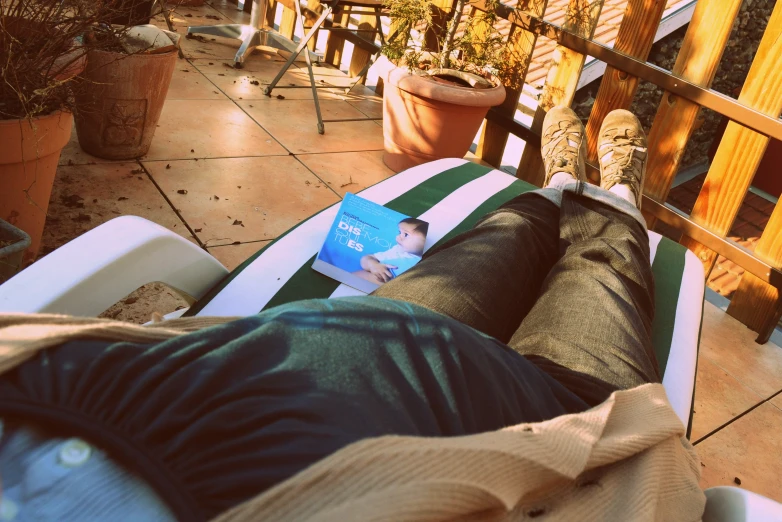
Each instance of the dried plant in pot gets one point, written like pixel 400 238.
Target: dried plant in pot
pixel 40 55
pixel 125 84
pixel 434 101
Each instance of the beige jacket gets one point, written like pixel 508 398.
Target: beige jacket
pixel 626 459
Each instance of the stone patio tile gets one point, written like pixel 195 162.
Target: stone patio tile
pixel 72 154
pixel 189 84
pixel 231 256
pixel 731 346
pixel 294 124
pixel 208 129
pixel 719 397
pixel 260 69
pixel 264 197
pixel 749 449
pixel 348 171
pixel 85 196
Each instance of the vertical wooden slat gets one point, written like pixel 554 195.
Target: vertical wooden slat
pixel 561 82
pixel 494 138
pixel 367 25
pixel 697 62
pixel 288 22
pixel 271 12
pixel 441 13
pixel 316 7
pixel 731 172
pixel 635 38
pixel 754 301
pixel 336 43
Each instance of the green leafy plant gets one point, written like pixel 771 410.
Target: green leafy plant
pixel 470 44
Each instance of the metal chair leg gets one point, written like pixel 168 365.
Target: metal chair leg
pixel 313 30
pixel 302 45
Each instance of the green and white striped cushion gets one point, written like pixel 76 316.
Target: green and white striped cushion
pixel 452 194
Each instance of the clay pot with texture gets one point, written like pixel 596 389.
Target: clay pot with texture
pixel 425 120
pixel 29 153
pixel 120 105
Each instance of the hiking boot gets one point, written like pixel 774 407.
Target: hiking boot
pixel 563 144
pixel 621 148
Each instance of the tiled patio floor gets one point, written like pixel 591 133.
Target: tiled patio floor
pixel 253 166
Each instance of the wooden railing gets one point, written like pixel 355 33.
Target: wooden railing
pixel 754 118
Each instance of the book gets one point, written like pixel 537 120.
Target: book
pixel 368 244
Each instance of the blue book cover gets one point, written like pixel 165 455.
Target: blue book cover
pixel 369 244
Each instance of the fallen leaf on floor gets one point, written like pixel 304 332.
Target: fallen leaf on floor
pixel 121 198
pixel 181 191
pixel 72 201
pixel 82 218
pixel 197 229
pixel 237 222
pixel 130 300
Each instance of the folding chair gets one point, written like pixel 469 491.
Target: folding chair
pixel 373 7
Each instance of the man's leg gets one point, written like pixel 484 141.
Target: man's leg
pixel 489 277
pixel 591 327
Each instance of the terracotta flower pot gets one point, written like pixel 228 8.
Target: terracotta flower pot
pixel 29 152
pixel 424 120
pixel 119 108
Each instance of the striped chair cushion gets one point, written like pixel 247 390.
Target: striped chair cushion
pixel 452 194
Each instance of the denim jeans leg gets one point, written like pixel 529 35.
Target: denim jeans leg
pixel 489 277
pixel 591 326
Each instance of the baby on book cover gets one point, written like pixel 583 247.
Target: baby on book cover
pixel 369 244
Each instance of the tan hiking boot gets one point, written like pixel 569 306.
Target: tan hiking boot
pixel 621 149
pixel 563 144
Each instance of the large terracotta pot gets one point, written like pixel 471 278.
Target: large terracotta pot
pixel 119 108
pixel 425 120
pixel 29 152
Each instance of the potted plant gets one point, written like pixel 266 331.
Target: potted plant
pixel 126 81
pixel 40 54
pixel 434 101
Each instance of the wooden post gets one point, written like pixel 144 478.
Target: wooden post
pixel 367 26
pixel 271 12
pixel 697 62
pixel 731 172
pixel 521 44
pixel 561 82
pixel 336 42
pixel 635 38
pixel 288 22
